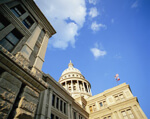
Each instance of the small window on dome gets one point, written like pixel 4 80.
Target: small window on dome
pixel 68 75
pixel 72 74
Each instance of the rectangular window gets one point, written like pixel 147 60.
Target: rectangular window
pixel 53 100
pixel 11 40
pixel 57 117
pixel 57 103
pixel 74 115
pixel 3 22
pixel 61 103
pixel 64 107
pixel 28 22
pixel 119 97
pixel 52 116
pixel 127 114
pixel 18 10
pixel 101 104
pixel 41 36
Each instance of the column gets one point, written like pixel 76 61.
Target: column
pixel 29 46
pixel 87 87
pixel 42 105
pixel 41 54
pixel 71 86
pixel 119 115
pixel 77 115
pixel 90 92
pixel 50 103
pixel 71 110
pixel 62 106
pixel 78 85
pixel 83 86
pixel 66 85
pixel 97 105
pixel 68 111
pixel 115 116
pixel 39 108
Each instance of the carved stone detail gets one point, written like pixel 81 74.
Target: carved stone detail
pixel 5 95
pixel 5 107
pixel 24 104
pixel 23 114
pixel 3 115
pixel 21 59
pixel 37 72
pixel 31 91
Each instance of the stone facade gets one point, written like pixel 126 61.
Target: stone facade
pixel 28 93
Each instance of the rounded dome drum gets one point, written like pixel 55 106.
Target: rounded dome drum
pixel 74 82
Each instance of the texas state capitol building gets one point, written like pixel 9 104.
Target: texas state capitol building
pixel 28 93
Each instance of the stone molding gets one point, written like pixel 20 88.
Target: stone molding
pixel 27 74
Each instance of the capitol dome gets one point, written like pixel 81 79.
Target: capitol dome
pixel 70 69
pixel 74 82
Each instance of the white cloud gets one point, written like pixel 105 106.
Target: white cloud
pixel 67 17
pixel 96 27
pixel 93 2
pixel 93 12
pixel 97 52
pixel 134 5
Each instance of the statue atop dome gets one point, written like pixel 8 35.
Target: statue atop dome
pixel 70 64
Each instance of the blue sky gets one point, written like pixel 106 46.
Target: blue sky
pixel 102 38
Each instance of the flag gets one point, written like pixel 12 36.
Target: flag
pixel 117 77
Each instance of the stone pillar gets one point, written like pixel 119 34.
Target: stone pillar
pixel 83 86
pixel 71 110
pixel 29 45
pixel 90 92
pixel 37 66
pixel 77 115
pixel 119 115
pixel 44 103
pixel 115 116
pixel 68 112
pixel 97 105
pixel 66 85
pixel 138 113
pixel 41 54
pixel 87 87
pixel 71 86
pixel 78 88
pixel 49 103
